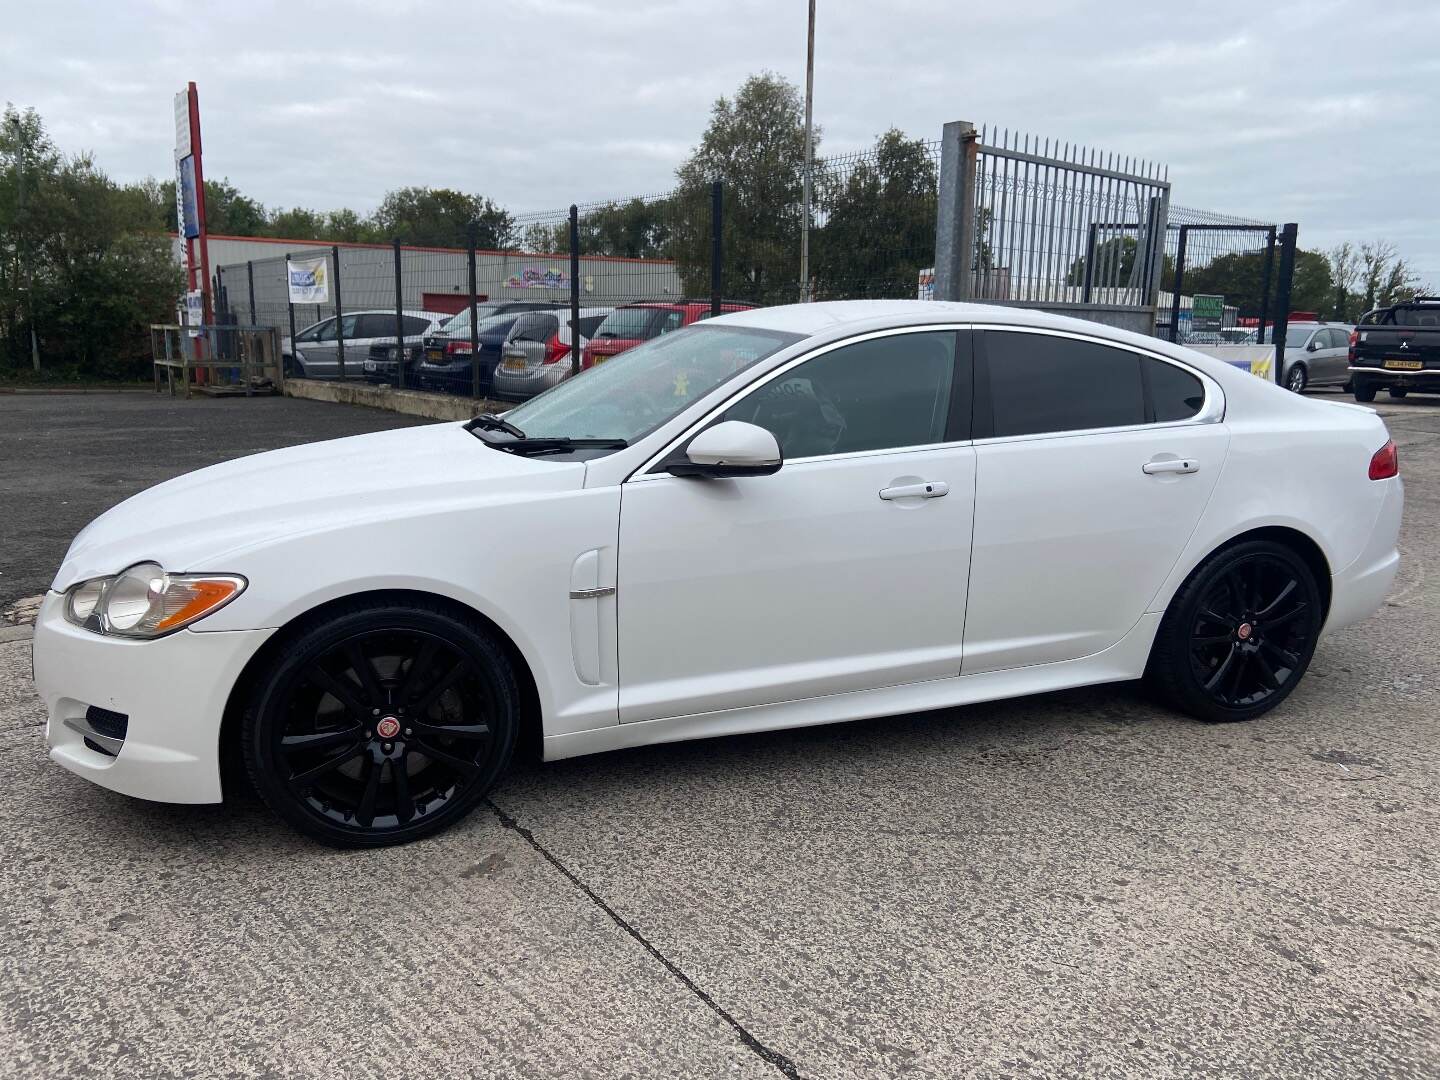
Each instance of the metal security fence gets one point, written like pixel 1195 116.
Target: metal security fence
pixel 1046 224
pixel 1209 254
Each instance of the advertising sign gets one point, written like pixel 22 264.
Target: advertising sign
pixel 309 280
pixel 186 206
pixel 1206 313
pixel 182 124
pixel 195 311
pixel 534 277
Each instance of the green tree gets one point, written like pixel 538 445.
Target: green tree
pixel 81 264
pixel 1239 277
pixel 754 145
pixel 879 229
pixel 635 229
pixel 441 217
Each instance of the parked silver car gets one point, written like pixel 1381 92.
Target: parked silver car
pixel 314 354
pixel 536 356
pixel 1316 354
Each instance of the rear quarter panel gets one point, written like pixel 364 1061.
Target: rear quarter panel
pixel 1294 463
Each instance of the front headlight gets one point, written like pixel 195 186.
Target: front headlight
pixel 146 602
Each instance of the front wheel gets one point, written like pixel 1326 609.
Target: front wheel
pixel 1239 635
pixel 1296 379
pixel 381 723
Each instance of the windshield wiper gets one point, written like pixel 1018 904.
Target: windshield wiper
pixel 558 445
pixel 490 422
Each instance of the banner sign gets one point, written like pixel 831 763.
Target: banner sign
pixel 534 277
pixel 182 124
pixel 309 280
pixel 185 204
pixel 195 311
pixel 1206 313
pixel 1258 360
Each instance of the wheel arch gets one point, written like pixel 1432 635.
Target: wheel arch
pixel 1298 541
pixel 531 737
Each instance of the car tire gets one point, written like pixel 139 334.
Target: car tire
pixel 1239 635
pixel 378 723
pixel 1296 379
pixel 293 368
pixel 1398 392
pixel 1364 392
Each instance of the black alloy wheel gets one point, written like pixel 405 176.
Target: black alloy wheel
pixel 381 724
pixel 1239 635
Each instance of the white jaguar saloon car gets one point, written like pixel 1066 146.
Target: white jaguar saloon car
pixel 780 517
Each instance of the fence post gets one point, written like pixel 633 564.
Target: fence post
pixel 1265 286
pixel 1090 249
pixel 1159 229
pixel 717 245
pixel 250 279
pixel 339 312
pixel 955 212
pixel 1289 233
pixel 289 311
pixel 574 289
pixel 1178 284
pixel 399 323
pixel 472 239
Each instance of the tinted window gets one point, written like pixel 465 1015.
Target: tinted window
pixel 1176 393
pixel 415 325
pixel 630 322
pixel 1040 383
pixel 873 395
pixel 375 326
pixel 589 323
pixel 535 327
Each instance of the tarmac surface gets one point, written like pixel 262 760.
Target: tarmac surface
pixel 1079 884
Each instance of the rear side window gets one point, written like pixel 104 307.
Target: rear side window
pixel 1176 394
pixel 1039 383
pixel 373 326
pixel 415 325
pixel 589 324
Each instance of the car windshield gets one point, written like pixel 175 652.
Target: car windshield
pixel 634 393
pixel 630 322
pixel 460 323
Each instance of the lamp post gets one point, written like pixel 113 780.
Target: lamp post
pixel 809 157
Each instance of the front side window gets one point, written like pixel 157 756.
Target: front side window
pixel 1040 383
pixel 635 392
pixel 882 394
pixel 324 332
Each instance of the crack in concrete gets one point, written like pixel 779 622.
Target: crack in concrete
pixel 772 1057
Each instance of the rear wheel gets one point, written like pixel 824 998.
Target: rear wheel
pixel 1239 635
pixel 1296 378
pixel 1364 391
pixel 381 724
pixel 1398 392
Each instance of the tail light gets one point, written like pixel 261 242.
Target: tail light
pixel 457 348
pixel 555 350
pixel 1385 463
pixel 1354 341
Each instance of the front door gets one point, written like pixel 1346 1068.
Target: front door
pixel 1093 465
pixel 846 570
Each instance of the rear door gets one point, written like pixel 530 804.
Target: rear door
pixel 1093 465
pixel 1332 357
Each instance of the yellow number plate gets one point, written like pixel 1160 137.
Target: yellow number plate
pixel 1404 365
pixel 513 365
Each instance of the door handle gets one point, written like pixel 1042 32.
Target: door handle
pixel 928 489
pixel 1173 465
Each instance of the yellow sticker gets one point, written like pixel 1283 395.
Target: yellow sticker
pixel 682 385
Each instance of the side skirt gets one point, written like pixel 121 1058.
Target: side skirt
pixel 1122 661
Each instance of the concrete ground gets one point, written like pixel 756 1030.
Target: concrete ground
pixel 1079 884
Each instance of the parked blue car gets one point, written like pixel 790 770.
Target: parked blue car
pixel 445 361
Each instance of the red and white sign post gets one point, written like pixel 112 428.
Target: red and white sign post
pixel 190 200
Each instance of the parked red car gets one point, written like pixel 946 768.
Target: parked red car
pixel 628 326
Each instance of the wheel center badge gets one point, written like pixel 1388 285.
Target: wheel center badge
pixel 1244 630
pixel 388 728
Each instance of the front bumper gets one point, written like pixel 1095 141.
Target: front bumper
pixel 172 690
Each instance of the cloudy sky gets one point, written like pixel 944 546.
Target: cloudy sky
pixel 1322 112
